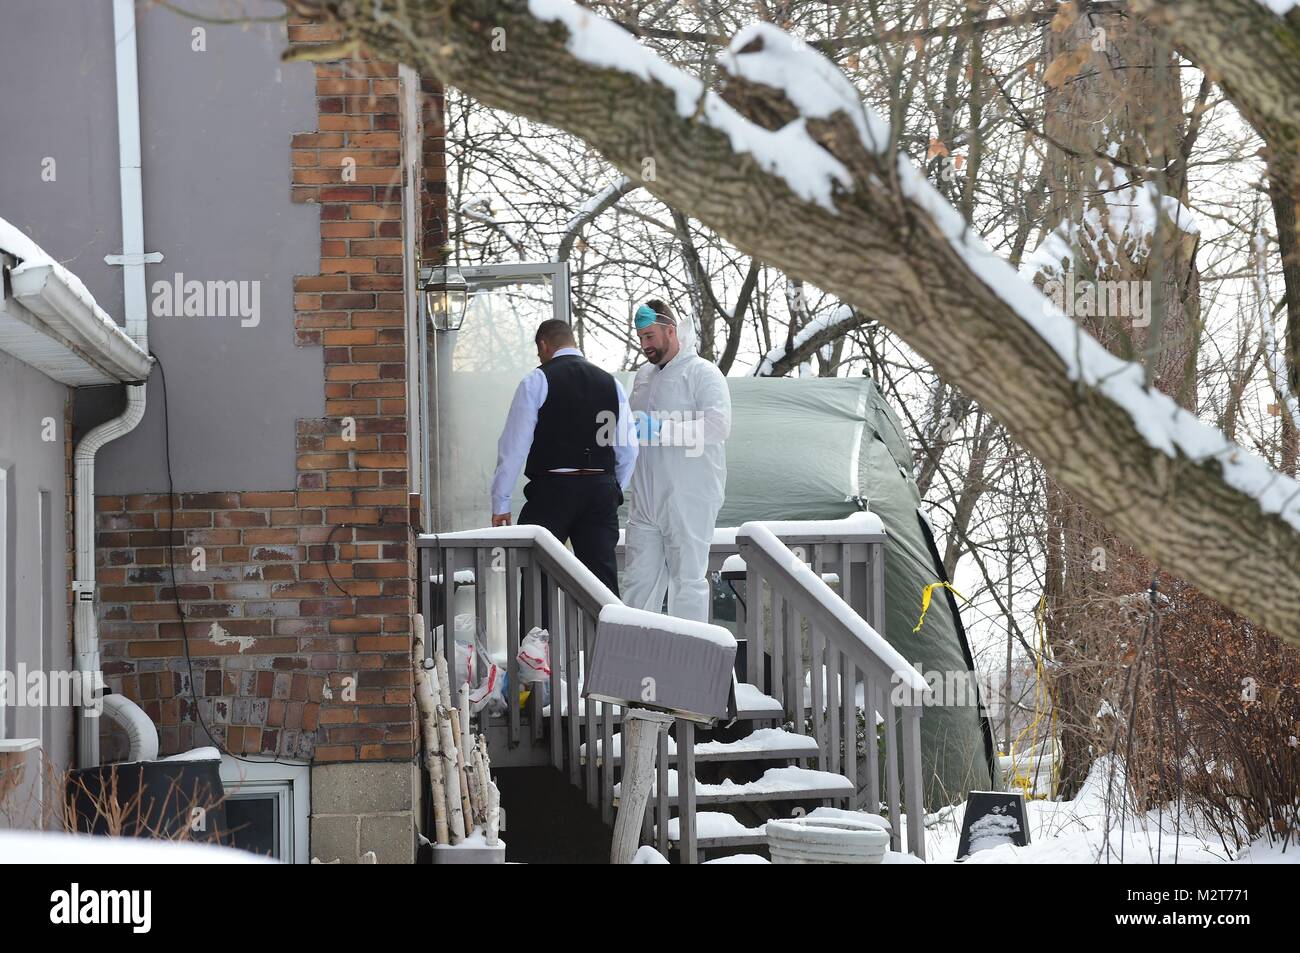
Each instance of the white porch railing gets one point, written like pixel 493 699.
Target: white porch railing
pixel 785 564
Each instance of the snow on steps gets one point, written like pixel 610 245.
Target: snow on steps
pixel 768 744
pixel 751 705
pixel 714 830
pixel 776 784
pixel 891 857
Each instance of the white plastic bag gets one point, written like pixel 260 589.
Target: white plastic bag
pixel 465 658
pixel 535 656
pixel 491 694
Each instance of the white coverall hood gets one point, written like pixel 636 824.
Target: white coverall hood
pixel 677 487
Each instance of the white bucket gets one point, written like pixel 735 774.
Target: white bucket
pixel 477 852
pixel 825 840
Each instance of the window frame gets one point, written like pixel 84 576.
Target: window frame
pixel 289 783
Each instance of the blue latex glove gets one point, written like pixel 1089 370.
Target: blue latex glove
pixel 647 429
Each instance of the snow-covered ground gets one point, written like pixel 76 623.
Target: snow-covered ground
pixel 1075 832
pixel 21 847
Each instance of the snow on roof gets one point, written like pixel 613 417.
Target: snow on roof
pixel 13 241
pixel 55 325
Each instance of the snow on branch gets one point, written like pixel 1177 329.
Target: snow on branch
pixel 819 331
pixel 789 65
pixel 804 76
pixel 790 152
pixel 589 209
pixel 1178 490
pixel 1131 215
pixel 1164 425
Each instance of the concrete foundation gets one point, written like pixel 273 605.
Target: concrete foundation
pixel 365 806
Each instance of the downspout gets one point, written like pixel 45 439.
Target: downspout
pixel 132 260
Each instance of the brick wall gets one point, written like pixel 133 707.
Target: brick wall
pixel 433 154
pixel 298 620
pixel 284 662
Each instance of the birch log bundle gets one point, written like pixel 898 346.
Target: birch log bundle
pixel 460 779
pixel 426 698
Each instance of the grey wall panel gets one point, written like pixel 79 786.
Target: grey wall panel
pixel 58 101
pixel 37 562
pixel 215 139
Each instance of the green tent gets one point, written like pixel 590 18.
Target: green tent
pixel 799 449
pixel 822 449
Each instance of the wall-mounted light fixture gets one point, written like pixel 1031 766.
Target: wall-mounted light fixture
pixel 446 296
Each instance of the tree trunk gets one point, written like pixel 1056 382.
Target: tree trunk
pixel 1194 503
pixel 1111 91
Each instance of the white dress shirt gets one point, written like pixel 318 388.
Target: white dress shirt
pixel 517 436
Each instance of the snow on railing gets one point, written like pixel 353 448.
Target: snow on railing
pixel 546 586
pixel 840 650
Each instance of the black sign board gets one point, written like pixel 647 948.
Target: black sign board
pixel 993 818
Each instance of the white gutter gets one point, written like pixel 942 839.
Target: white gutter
pixel 84 625
pixel 83 329
pixel 132 259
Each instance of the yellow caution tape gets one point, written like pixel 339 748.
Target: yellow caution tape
pixel 1044 703
pixel 927 594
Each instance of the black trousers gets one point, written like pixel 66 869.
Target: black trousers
pixel 582 509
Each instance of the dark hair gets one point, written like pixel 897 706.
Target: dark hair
pixel 661 309
pixel 554 332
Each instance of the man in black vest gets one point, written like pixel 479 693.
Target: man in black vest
pixel 570 431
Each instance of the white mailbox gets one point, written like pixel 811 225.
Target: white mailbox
pixel 648 660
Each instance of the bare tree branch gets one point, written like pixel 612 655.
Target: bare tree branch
pixel 891 253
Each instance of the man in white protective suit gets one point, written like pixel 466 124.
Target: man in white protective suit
pixel 682 409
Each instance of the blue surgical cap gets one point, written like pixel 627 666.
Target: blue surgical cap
pixel 645 316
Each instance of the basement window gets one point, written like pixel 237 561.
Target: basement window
pixel 267 805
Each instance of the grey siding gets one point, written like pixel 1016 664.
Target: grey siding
pixel 215 130
pixel 35 567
